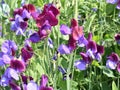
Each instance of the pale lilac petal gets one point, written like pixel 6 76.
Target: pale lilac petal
pixel 118 67
pixel 32 86
pixel 111 64
pixel 63 49
pixel 65 30
pixel 80 64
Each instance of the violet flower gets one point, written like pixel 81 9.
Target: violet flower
pixel 83 64
pixel 112 61
pixel 63 49
pixel 8 76
pixel 9 47
pixel 91 49
pixel 19 25
pixel 65 30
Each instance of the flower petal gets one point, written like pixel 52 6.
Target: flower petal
pixel 65 30
pixel 80 64
pixel 63 49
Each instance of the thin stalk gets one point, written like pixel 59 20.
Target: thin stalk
pixel 68 72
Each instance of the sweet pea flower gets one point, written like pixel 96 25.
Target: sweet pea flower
pixel 19 25
pixel 83 64
pixel 49 14
pixel 63 49
pixel 9 47
pixel 112 61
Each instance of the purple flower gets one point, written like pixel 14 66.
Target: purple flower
pixel 100 51
pixel 9 47
pixel 112 61
pixel 63 49
pixel 25 15
pixel 35 38
pixel 19 25
pixel 17 65
pixel 91 49
pixel 26 53
pixel 117 38
pixel 8 76
pixel 82 64
pixel 65 30
pixel 82 41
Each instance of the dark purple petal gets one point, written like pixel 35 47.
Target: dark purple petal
pixel 14 86
pixel 114 57
pixel 35 38
pixel 80 64
pixel 111 64
pixel 92 46
pixel 63 49
pixel 65 30
pixel 25 79
pixel 85 58
pixel 43 81
pixel 100 49
pixel 62 70
pixel 26 53
pixel 30 8
pixel 17 65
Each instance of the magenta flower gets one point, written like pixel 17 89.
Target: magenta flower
pixel 49 14
pixel 91 49
pixel 17 65
pixel 26 52
pixel 43 83
pixel 112 61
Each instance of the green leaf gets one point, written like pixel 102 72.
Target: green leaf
pixel 107 71
pixel 114 87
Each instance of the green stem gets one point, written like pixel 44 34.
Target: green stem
pixel 76 10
